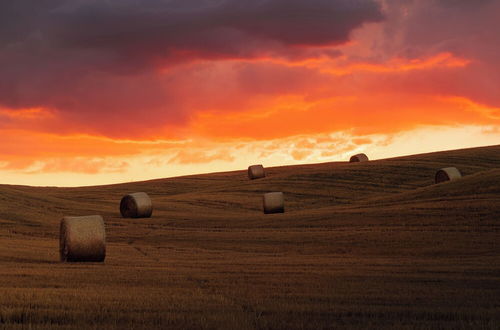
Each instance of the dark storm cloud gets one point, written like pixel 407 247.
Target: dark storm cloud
pixel 92 58
pixel 20 18
pixel 467 29
pixel 219 28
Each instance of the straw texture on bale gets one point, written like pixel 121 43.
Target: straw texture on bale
pixel 273 202
pixel 256 172
pixel 136 205
pixel 358 158
pixel 447 174
pixel 82 239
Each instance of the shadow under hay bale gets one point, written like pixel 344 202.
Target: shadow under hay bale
pixel 358 158
pixel 273 202
pixel 82 239
pixel 256 172
pixel 136 205
pixel 447 174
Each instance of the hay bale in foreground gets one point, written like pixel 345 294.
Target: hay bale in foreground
pixel 136 205
pixel 256 172
pixel 447 174
pixel 273 202
pixel 82 239
pixel 358 158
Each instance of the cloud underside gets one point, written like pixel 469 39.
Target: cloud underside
pixel 90 73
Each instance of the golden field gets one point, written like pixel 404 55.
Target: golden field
pixel 364 245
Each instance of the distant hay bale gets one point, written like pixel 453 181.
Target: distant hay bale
pixel 136 205
pixel 447 174
pixel 358 158
pixel 256 172
pixel 82 239
pixel 273 202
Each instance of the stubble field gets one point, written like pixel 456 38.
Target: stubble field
pixel 365 245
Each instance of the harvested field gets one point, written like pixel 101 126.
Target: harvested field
pixel 364 245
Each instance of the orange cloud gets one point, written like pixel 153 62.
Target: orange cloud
pixel 361 141
pixel 42 152
pixel 26 114
pixel 344 65
pixel 76 165
pixel 248 100
pixel 200 157
pixel 300 154
pixel 365 115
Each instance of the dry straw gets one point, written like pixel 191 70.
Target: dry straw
pixel 447 174
pixel 136 205
pixel 256 172
pixel 82 239
pixel 273 202
pixel 358 158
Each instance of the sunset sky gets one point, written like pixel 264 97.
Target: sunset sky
pixel 97 92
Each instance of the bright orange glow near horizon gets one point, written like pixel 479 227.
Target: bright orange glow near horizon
pixel 114 103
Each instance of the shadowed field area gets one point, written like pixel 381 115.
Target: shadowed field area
pixel 364 245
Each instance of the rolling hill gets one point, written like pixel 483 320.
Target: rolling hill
pixel 361 245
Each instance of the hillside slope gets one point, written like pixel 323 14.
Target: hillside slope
pixel 360 245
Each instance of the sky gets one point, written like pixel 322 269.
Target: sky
pixel 97 92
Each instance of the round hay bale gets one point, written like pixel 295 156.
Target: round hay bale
pixel 274 202
pixel 82 239
pixel 358 158
pixel 447 174
pixel 136 205
pixel 256 172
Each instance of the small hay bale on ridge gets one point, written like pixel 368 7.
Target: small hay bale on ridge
pixel 358 158
pixel 256 172
pixel 447 174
